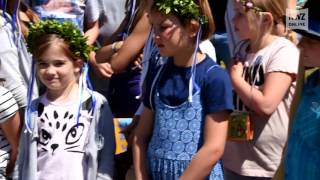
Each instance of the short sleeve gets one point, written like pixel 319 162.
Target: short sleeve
pixel 92 11
pixel 8 105
pixel 14 65
pixel 217 94
pixel 284 59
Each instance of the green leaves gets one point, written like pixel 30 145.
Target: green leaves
pixel 185 8
pixel 66 30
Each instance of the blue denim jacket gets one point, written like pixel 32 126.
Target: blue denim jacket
pixel 99 150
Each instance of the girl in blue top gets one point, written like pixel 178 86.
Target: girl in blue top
pixel 301 159
pixel 187 100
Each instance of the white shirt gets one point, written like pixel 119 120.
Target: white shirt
pixel 62 140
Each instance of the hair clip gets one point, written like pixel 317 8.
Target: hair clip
pixel 248 4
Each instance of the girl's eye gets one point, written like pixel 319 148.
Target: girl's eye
pixel 42 65
pixel 163 28
pixel 58 64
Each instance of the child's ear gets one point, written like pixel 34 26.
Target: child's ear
pixel 78 65
pixel 193 28
pixel 267 18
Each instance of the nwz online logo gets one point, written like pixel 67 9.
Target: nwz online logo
pixel 297 19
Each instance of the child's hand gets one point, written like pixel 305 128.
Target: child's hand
pixel 116 46
pixel 103 70
pixel 236 70
pixel 138 62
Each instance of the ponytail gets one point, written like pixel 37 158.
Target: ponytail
pixel 292 36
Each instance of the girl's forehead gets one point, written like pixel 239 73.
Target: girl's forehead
pixel 159 18
pixel 53 52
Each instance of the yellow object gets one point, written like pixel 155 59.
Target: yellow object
pixel 121 142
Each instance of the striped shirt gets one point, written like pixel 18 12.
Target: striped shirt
pixel 8 107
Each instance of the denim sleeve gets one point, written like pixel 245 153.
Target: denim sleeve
pixel 106 154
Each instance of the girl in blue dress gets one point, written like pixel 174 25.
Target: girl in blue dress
pixel 183 128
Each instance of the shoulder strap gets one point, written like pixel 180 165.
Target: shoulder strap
pixel 155 81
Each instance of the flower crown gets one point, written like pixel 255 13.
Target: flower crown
pixel 248 4
pixel 66 30
pixel 185 8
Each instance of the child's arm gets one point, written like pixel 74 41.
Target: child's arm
pixel 130 48
pixel 11 129
pixel 215 135
pixel 106 154
pixel 92 32
pixel 142 134
pixel 265 101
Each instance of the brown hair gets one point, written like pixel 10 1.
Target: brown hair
pixel 47 41
pixel 208 28
pixel 26 17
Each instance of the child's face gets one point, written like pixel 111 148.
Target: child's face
pixel 170 35
pixel 241 23
pixel 310 52
pixel 56 70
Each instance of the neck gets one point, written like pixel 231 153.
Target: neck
pixel 185 58
pixel 260 43
pixel 70 93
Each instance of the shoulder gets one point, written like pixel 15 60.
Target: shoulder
pixel 211 71
pixel 282 45
pixel 8 105
pixel 284 56
pixel 5 96
pixel 99 96
pixel 313 78
pixel 100 99
pixel 4 91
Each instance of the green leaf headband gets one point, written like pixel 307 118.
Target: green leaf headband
pixel 66 30
pixel 185 8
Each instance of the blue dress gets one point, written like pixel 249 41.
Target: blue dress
pixel 177 136
pixel 302 160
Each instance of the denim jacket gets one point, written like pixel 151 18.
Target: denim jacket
pixel 99 149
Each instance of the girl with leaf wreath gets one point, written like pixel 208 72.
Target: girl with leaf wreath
pixel 68 132
pixel 182 130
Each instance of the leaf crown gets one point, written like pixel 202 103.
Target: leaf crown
pixel 184 8
pixel 66 30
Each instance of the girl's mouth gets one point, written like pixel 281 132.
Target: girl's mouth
pixel 160 45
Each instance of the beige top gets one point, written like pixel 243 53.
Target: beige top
pixel 261 156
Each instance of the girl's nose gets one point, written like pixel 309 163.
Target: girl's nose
pixel 156 36
pixel 50 70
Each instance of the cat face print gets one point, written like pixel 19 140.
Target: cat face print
pixel 58 130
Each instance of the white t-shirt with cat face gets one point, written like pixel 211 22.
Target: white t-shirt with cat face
pixel 61 142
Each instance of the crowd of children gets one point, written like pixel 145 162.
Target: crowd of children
pixel 192 118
